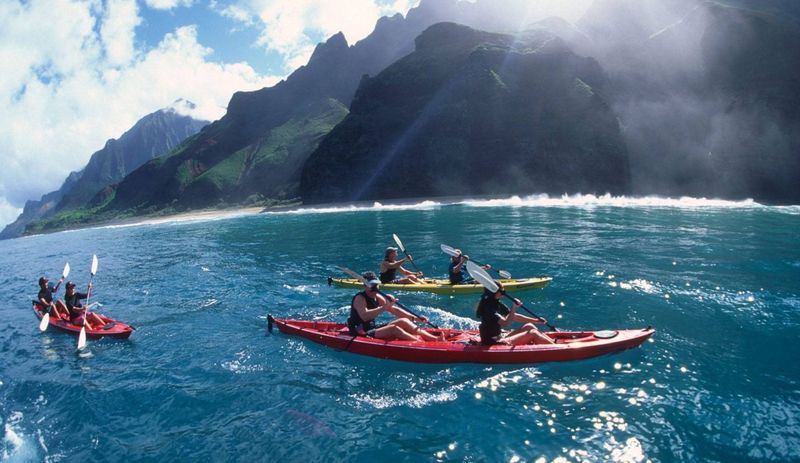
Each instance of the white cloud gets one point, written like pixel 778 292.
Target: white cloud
pixel 67 86
pixel 8 213
pixel 117 32
pixel 167 4
pixel 293 28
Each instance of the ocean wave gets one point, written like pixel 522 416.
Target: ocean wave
pixel 607 200
pixel 545 200
pixel 376 206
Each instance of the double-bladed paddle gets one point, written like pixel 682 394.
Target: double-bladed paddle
pixel 46 318
pixel 364 281
pixel 403 248
pixel 82 336
pixel 487 282
pixel 454 253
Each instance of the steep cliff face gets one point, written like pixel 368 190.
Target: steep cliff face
pixel 151 136
pixel 471 112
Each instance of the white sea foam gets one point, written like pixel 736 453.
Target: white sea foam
pixel 607 200
pixel 191 217
pixel 241 364
pixel 421 400
pixel 15 447
pixel 566 201
pixel 376 206
pixel 303 288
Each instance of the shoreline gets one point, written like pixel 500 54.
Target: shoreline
pixel 187 216
pixel 509 200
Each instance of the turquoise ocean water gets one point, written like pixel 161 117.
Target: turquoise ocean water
pixel 720 381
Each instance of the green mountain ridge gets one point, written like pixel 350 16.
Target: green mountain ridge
pixel 471 112
pixel 151 136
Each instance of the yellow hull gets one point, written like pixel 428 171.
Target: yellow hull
pixel 444 286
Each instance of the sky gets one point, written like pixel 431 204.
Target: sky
pixel 75 73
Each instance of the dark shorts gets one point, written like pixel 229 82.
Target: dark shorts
pixel 490 339
pixel 76 317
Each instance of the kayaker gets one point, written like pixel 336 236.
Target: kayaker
pixel 494 315
pixel 456 269
pixel 72 299
pixel 390 266
pixel 367 305
pixel 45 297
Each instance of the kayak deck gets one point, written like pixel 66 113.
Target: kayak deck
pixel 438 286
pixel 113 328
pixel 463 346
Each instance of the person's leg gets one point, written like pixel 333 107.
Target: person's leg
pixel 96 321
pixel 532 336
pixel 409 326
pixel 391 332
pixel 522 329
pixel 62 310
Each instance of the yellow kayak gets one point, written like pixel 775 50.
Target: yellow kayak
pixel 444 286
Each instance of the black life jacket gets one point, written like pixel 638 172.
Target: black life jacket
pixel 388 276
pixel 354 323
pixel 455 277
pixel 487 310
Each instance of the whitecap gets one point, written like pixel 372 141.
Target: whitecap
pixel 302 288
pixel 15 446
pixel 375 206
pixel 607 200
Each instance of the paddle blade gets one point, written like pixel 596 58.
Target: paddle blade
pixel 351 273
pixel 45 321
pixel 449 250
pixel 82 338
pixel 65 273
pixel 399 243
pixel 94 264
pixel 504 274
pixel 481 276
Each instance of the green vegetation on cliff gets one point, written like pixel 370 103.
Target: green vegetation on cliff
pixel 470 112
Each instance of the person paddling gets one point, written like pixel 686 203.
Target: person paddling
pixel 72 300
pixel 494 315
pixel 456 270
pixel 45 298
pixel 367 305
pixel 390 266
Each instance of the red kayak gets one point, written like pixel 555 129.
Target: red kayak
pixel 113 328
pixel 463 346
